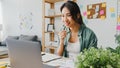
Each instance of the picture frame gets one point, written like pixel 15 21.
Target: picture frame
pixel 50 27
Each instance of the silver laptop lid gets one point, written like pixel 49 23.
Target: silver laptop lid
pixel 24 54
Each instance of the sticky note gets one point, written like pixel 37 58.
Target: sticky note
pixel 118 19
pixel 102 17
pixel 90 6
pixel 95 15
pixel 84 13
pixel 118 27
pixel 101 12
pixel 112 15
pixel 88 12
pixel 103 5
pixel 112 9
pixel 97 8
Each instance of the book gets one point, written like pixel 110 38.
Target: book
pixel 3 50
pixel 50 57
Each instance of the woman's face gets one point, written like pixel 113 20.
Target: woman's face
pixel 67 18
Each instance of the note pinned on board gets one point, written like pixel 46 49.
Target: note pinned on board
pixel 103 5
pixel 95 15
pixel 102 17
pixel 88 12
pixel 112 9
pixel 101 12
pixel 90 6
pixel 97 8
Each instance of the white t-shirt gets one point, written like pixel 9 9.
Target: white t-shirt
pixel 73 49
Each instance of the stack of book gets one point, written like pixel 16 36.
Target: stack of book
pixel 3 52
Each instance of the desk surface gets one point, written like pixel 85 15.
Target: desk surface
pixel 61 62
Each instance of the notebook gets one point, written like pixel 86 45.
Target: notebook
pixel 25 54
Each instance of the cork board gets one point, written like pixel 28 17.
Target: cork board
pixel 95 11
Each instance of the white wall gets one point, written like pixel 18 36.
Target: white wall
pixel 104 29
pixel 1 20
pixel 15 10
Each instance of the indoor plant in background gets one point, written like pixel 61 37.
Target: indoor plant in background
pixel 117 49
pixel 98 58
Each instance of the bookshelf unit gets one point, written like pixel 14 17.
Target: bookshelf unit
pixel 51 20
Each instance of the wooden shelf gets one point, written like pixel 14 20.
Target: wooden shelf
pixel 50 47
pixel 52 1
pixel 51 21
pixel 49 32
pixel 53 16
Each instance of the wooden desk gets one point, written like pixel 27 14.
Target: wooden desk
pixel 58 62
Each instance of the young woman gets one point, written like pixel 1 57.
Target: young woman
pixel 75 36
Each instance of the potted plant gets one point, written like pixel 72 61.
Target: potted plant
pixel 98 58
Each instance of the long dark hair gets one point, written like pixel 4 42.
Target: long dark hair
pixel 74 11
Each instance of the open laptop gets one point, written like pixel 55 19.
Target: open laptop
pixel 25 54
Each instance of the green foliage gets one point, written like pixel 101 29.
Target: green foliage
pixel 116 50
pixel 98 58
pixel 117 38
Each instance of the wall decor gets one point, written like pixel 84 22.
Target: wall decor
pixel 50 28
pixel 26 20
pixel 96 11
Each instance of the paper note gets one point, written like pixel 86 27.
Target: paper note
pixel 95 15
pixel 101 12
pixel 112 15
pixel 90 6
pixel 118 19
pixel 103 5
pixel 97 8
pixel 88 12
pixel 50 57
pixel 112 9
pixel 118 27
pixel 68 64
pixel 102 17
pixel 84 13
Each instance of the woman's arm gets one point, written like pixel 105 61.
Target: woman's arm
pixel 61 48
pixel 62 36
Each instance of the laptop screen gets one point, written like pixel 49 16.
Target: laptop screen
pixel 24 54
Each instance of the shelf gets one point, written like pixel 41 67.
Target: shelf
pixel 53 16
pixel 52 1
pixel 49 32
pixel 51 47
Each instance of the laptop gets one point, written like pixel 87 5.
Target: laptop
pixel 25 54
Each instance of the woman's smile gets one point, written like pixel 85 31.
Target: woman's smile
pixel 67 23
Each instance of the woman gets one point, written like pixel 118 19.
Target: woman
pixel 75 36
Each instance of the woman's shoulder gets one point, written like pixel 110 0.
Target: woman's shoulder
pixel 86 29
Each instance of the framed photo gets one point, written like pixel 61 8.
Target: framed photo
pixel 50 27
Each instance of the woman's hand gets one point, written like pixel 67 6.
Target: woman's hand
pixel 62 35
